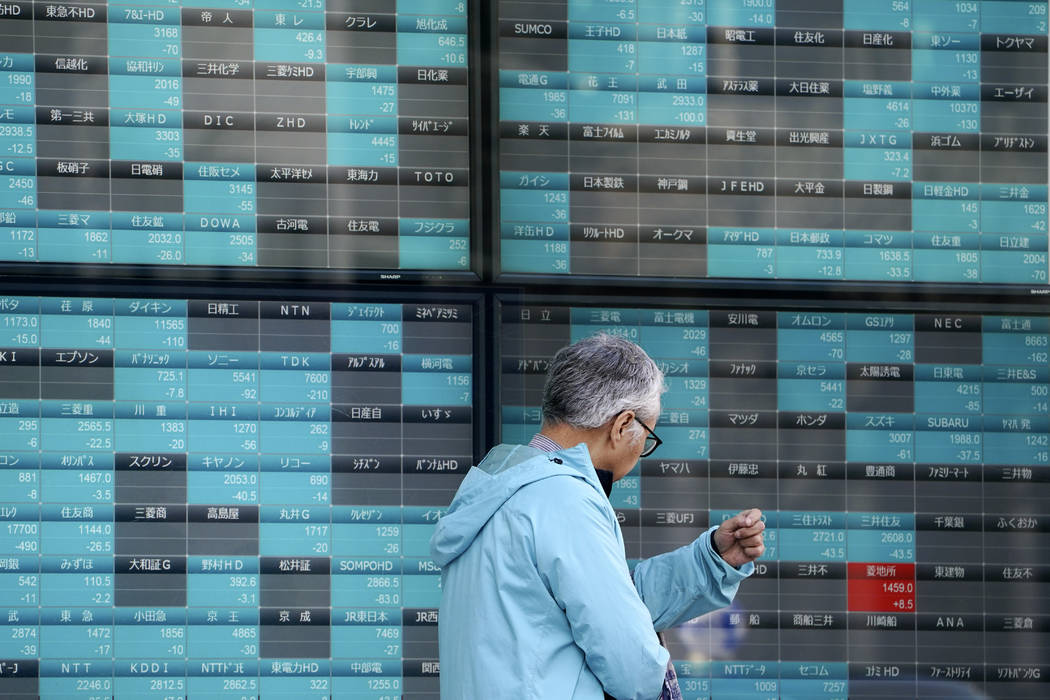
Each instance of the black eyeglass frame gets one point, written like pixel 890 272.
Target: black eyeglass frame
pixel 649 450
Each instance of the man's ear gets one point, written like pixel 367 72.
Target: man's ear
pixel 621 427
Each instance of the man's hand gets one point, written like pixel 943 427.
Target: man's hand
pixel 739 539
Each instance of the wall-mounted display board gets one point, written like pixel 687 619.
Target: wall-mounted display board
pixel 258 133
pixel 276 272
pixel 865 140
pixel 901 461
pixel 226 497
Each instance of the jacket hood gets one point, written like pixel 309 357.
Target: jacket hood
pixel 486 487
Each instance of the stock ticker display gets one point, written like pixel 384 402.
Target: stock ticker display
pixel 207 492
pixel 901 461
pixel 888 140
pixel 276 133
pixel 226 498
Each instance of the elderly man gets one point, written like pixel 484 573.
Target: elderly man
pixel 537 599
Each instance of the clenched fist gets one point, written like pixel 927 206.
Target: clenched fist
pixel 739 539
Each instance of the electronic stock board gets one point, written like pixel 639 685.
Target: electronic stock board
pixel 301 134
pixel 226 498
pixel 894 140
pixel 899 460
pixel 214 490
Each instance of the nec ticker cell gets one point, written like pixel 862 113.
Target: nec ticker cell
pixel 299 134
pixel 901 463
pixel 226 498
pixel 865 140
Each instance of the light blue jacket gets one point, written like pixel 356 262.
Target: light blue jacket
pixel 537 600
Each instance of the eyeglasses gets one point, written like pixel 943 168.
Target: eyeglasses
pixel 651 440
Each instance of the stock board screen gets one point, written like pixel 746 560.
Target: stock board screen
pixel 901 463
pixel 226 498
pixel 865 140
pixel 258 133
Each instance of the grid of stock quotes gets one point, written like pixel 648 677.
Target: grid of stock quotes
pixel 226 498
pixel 892 140
pixel 276 133
pixel 213 491
pixel 901 462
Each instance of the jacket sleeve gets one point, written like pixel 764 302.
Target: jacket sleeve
pixel 686 582
pixel 580 558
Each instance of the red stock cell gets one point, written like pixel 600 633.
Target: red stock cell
pixel 881 587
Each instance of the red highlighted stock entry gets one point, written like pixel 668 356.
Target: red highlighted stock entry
pixel 881 587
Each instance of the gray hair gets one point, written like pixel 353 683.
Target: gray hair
pixel 599 377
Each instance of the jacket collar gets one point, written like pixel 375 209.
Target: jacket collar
pixel 542 442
